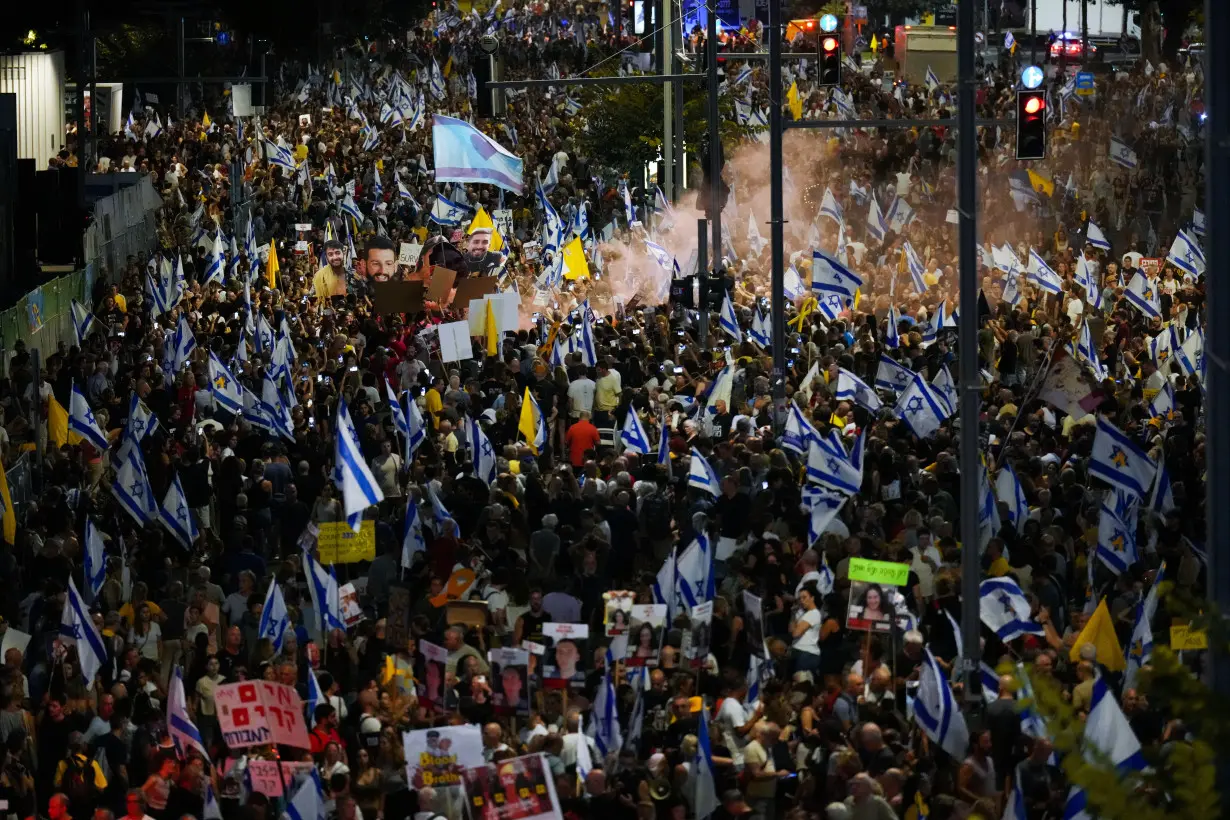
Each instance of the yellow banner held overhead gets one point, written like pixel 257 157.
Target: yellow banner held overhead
pixel 575 266
pixel 271 265
pixel 1100 631
pixel 493 335
pixel 795 101
pixel 1040 183
pixel 337 543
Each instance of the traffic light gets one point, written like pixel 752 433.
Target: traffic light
pixel 1031 124
pixel 830 59
pixel 682 292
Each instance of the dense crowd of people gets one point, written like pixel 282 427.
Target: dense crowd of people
pixel 691 583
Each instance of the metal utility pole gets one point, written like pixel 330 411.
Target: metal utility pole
pixel 1063 40
pixel 180 88
pixel 715 159
pixel 678 38
pixel 967 336
pixel 1217 335
pixel 85 38
pixel 1033 32
pixel 776 215
pixel 1085 31
pixel 666 65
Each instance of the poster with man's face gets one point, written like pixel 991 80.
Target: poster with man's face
pixel 510 682
pixel 477 249
pixel 566 653
pixel 381 264
pixel 700 633
pixel 434 659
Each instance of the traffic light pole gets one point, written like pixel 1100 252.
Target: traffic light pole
pixel 715 163
pixel 776 214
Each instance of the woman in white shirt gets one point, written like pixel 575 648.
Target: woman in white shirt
pixel 146 635
pixel 386 467
pixel 806 631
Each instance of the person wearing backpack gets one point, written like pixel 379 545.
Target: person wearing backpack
pixel 79 777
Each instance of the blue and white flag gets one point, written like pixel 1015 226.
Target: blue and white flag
pixel 82 422
pixel 351 209
pixel 633 434
pixel 694 573
pixel 1009 491
pixel 932 81
pixel 412 539
pixel 1108 735
pixel 664 448
pixel 830 466
pixel 212 811
pixel 1087 279
pixel 851 388
pixel 447 213
pixel 830 207
pixel 1043 274
pixel 1165 404
pixel 274 617
pixel 400 423
pixel 1198 223
pixel 1015 808
pixel 899 215
pixel 1190 354
pixel 1142 295
pixel 605 726
pixel 937 711
pixel 1094 236
pixel 465 154
pixel 921 408
pixel 915 266
pixel 877 227
pixel 359 487
pixel 1119 462
pixel 1122 154
pixel 215 266
pixel 435 81
pixel 729 320
pixel 183 732
pixel 315 696
pixel 822 506
pixel 761 331
pixel 828 276
pixel 1161 496
pixel 94 559
pixel 184 342
pixel 77 627
pixel 1004 608
pixel 482 454
pixel 946 388
pixel 308 802
pixel 1163 345
pixel 892 336
pixel 416 427
pixel 1088 351
pixel 664 586
pixel 83 321
pixel 892 375
pixel 132 489
pixel 1117 539
pixel 799 431
pixel 1140 647
pixel 176 516
pixel 1186 253
pixel 701 475
pixel 704 800
pixel 326 601
pixel 224 387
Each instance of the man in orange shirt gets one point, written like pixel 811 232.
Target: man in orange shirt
pixel 581 436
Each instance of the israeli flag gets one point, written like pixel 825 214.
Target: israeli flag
pixel 704 800
pixel 183 345
pixel 892 337
pixel 1004 608
pixel 937 711
pixel 1087 279
pixel 830 466
pixel 1142 295
pixel 435 82
pixel 664 586
pixel 571 106
pixel 822 506
pixel 351 209
pixel 1121 154
pixel 755 241
pixel 1043 274
pixel 465 154
pixel 1191 353
pixel 94 563
pixel 1108 735
pixel 831 208
pixel 891 375
pixel 1185 253
pixel 1008 490
pixel 176 515
pixel 828 276
pixel 212 811
pixel 660 255
pixel 400 424
pixel 877 228
pixel 224 387
pixel 412 540
pixel 664 448
pixel 1198 223
pixel 933 82
pixel 359 488
pixel 744 74
pixel 274 617
pixel 915 266
pixel 308 802
pixel 83 321
pixel 1163 345
pixel 183 732
pixel 482 454
pixel 946 388
pixel 794 287
pixel 377 187
pixel 82 422
pixel 1117 537
pixel 799 432
pixel 900 214
pixel 1118 461
pixel 1009 42
pixel 77 628
pixel 851 388
pixel 694 572
pixel 580 222
pixel 1094 236
pixel 315 696
pixel 701 475
pixel 326 602
pixel 1161 496
pixel 132 489
pixel 921 407
pixel 729 320
pixel 1087 350
pixel 1140 647
pixel 633 434
pixel 551 181
pixel 215 267
pixel 605 726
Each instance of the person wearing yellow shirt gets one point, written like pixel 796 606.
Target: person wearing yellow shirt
pixel 140 596
pixel 606 393
pixel 120 301
pixel 330 280
pixel 435 401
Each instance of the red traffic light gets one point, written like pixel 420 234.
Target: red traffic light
pixel 830 44
pixel 1033 105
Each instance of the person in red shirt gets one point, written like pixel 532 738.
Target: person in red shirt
pixel 325 731
pixel 581 436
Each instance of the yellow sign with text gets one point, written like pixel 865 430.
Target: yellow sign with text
pixel 339 544
pixel 879 572
pixel 1183 637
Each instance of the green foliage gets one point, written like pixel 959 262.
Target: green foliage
pixel 134 49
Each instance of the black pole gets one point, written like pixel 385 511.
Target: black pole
pixel 1217 334
pixel 1033 32
pixel 1085 31
pixel 1063 41
pixel 680 162
pixel 971 387
pixel 715 160
pixel 83 22
pixel 776 216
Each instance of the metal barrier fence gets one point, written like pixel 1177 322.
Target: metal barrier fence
pixel 44 316
pixel 21 485
pixel 125 224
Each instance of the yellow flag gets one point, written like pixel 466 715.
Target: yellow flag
pixel 575 266
pixel 206 121
pixel 337 77
pixel 271 265
pixel 527 425
pixel 875 44
pixel 795 101
pixel 57 425
pixel 1100 631
pixel 493 337
pixel 9 528
pixel 1040 183
pixel 448 66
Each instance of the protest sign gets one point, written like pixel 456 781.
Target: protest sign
pixel 510 681
pixel 700 633
pixel 339 544
pixel 869 607
pixel 253 713
pixel 753 618
pixel 879 572
pixel 265 778
pixel 437 757
pixel 517 789
pixel 435 658
pixel 645 634
pixel 565 660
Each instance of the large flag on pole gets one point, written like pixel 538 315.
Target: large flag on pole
pixel 465 154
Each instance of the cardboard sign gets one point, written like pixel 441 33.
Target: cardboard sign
pixel 397 621
pixel 879 572
pixel 397 297
pixel 305 120
pixel 348 598
pixel 440 286
pixel 339 544
pixel 437 757
pixel 474 287
pixel 408 254
pixel 507 309
pixel 1151 265
pixel 455 341
pixel 265 779
pixel 519 789
pixel 255 713
pixel 1183 637
pixel 531 251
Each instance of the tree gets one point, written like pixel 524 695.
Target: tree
pixel 1157 18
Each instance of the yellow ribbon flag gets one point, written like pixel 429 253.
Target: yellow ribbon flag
pixel 493 337
pixel 1040 183
pixel 9 527
pixel 1100 631
pixel 795 101
pixel 271 265
pixel 57 425
pixel 206 121
pixel 809 304
pixel 575 266
pixel 527 425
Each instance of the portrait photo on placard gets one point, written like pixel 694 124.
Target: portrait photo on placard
pixel 617 612
pixel 567 652
pixel 645 634
pixel 510 682
pixel 869 608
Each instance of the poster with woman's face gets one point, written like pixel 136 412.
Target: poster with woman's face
pixel 753 623
pixel 510 682
pixel 566 653
pixel 645 634
pixel 869 608
pixel 700 633
pixel 616 612
pixel 434 659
